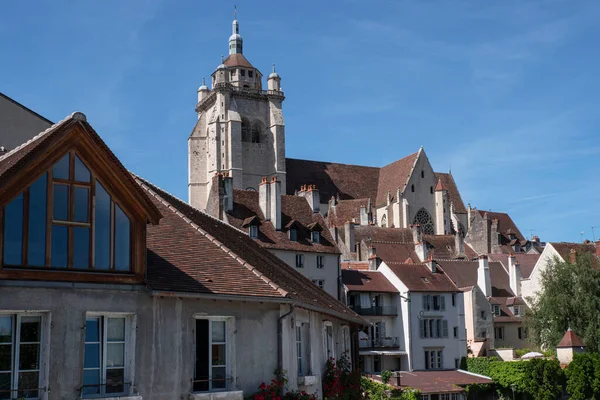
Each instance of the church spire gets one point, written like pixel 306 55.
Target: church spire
pixel 235 40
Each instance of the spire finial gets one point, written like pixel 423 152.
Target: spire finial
pixel 234 11
pixel 449 168
pixel 203 82
pixel 273 67
pixel 222 59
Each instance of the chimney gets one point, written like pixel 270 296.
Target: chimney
pixel 495 236
pixel 469 209
pixel 573 256
pixel 228 189
pixel 483 276
pixel 417 233
pixel 373 260
pixel 535 239
pixel 264 198
pixel 514 274
pixel 431 265
pixel 422 251
pixel 311 194
pixel 459 244
pixel 349 236
pixel 275 203
pixel 2 150
pixel 364 217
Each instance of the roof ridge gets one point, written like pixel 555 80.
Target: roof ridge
pixel 232 254
pixel 74 115
pixel 333 162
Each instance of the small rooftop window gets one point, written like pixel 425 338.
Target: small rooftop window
pixel 293 235
pixel 316 237
pixel 253 231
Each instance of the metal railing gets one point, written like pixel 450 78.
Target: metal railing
pixel 116 388
pixel 370 343
pixel 376 310
pixel 20 393
pixel 205 384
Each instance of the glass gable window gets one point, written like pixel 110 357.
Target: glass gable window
pixel 67 220
pixel 20 352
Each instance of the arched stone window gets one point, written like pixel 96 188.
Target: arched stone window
pixel 384 221
pixel 256 132
pixel 246 130
pixel 424 219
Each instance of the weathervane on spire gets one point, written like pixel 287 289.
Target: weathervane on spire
pixel 273 67
pixel 234 12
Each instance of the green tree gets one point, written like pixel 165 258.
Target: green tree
pixel 570 297
pixel 386 376
pixel 583 377
pixel 543 379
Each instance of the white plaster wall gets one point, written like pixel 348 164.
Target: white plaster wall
pixel 532 286
pixel 330 272
pixel 511 337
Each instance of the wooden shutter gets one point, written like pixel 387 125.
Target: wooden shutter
pixel 445 328
pixel 443 301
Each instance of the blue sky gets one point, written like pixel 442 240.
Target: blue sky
pixel 507 92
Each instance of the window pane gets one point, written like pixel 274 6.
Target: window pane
pixel 218 378
pixel 36 250
pixel 5 329
pixel 61 202
pixel 28 383
pixel 121 240
pixel 218 354
pixel 114 381
pixel 116 329
pixel 5 385
pixel 102 229
pixel 61 168
pixel 92 355
pixel 218 331
pixel 80 213
pixel 5 357
pixel 30 329
pixel 13 232
pixel 91 377
pixel 82 174
pixel 29 357
pixel 115 354
pixel 92 330
pixel 81 247
pixel 60 246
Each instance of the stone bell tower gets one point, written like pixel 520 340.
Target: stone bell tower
pixel 240 129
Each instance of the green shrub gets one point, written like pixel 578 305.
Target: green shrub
pixel 386 376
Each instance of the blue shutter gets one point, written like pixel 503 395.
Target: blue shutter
pixel 445 328
pixel 443 301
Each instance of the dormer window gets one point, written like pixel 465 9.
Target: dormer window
pixel 293 234
pixel 316 237
pixel 496 309
pixel 253 231
pixel 67 220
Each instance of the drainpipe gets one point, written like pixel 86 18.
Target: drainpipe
pixel 280 338
pixel 410 342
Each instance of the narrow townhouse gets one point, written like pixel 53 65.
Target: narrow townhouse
pixel 112 288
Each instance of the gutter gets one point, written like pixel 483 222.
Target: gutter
pixel 230 297
pixel 280 337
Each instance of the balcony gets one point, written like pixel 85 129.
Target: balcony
pixel 378 343
pixel 376 310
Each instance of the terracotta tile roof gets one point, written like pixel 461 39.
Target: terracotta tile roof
pixel 355 265
pixel 506 315
pixel 464 273
pixel 345 210
pixel 394 176
pixel 378 234
pixel 453 193
pixel 440 381
pixel 440 186
pixel 564 249
pixel 570 340
pixel 294 209
pixel 237 60
pixel 505 224
pixel 526 261
pixel 332 179
pixel 398 253
pixel 191 251
pixel 441 247
pixel 469 252
pixel 418 278
pixel 367 281
pixel 16 160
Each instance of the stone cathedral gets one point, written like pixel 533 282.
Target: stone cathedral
pixel 240 134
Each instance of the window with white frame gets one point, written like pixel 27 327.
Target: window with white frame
pixel 518 311
pixel 20 355
pixel 434 302
pixel 212 355
pixel 433 359
pixel 299 350
pixel 496 309
pixel 299 260
pixel 107 355
pixel 320 262
pixel 253 231
pixel 448 396
pixel 302 346
pixel 316 237
pixel 328 339
pixel 293 235
pixel 319 282
pixel 434 328
pixel 346 340
pixel 499 333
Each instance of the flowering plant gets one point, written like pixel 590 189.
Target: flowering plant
pixel 277 390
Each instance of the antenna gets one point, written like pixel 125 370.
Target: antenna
pixel 531 233
pixel 593 235
pixel 234 12
pixel 581 233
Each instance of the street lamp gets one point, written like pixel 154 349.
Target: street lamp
pixel 513 390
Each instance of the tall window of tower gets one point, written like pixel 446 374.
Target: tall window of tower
pixel 256 132
pixel 250 74
pixel 242 72
pixel 245 131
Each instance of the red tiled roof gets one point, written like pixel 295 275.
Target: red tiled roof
pixel 355 265
pixel 464 273
pixel 526 261
pixel 191 251
pixel 378 234
pixel 469 252
pixel 398 253
pixel 237 60
pixel 453 193
pixel 440 381
pixel 345 210
pixel 440 186
pixel 20 157
pixel 367 281
pixel 441 246
pixel 332 179
pixel 564 249
pixel 570 340
pixel 293 209
pixel 394 176
pixel 418 278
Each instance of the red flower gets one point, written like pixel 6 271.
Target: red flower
pixel 262 386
